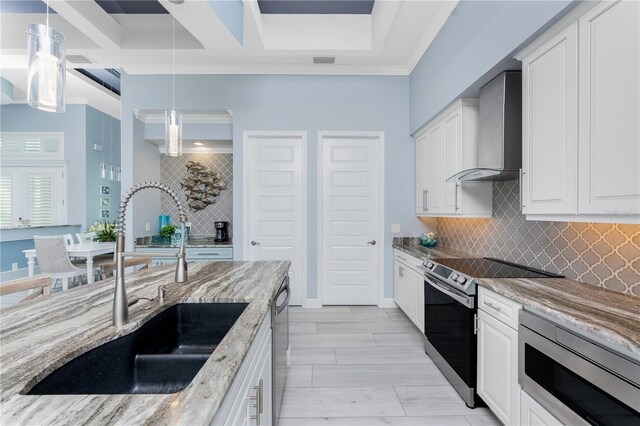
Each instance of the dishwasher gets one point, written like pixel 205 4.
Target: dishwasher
pixel 280 345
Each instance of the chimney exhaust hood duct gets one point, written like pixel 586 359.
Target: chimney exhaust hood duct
pixel 499 131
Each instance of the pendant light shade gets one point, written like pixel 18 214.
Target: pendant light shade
pixel 46 66
pixel 173 133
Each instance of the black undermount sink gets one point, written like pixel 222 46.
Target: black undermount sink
pixel 162 356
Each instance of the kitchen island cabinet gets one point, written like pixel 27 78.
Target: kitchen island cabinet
pixel 41 335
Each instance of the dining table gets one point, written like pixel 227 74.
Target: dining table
pixel 87 250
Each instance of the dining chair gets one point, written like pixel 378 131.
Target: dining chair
pixel 87 237
pixel 41 284
pixel 53 260
pixel 68 239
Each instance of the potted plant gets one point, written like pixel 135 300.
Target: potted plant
pixel 105 231
pixel 167 231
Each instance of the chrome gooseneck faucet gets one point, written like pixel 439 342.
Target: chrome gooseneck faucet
pixel 120 301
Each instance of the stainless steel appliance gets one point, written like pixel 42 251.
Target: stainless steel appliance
pixel 280 345
pixel 222 232
pixel 578 380
pixel 499 131
pixel 450 314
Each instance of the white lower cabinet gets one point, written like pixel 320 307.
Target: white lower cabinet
pixel 249 399
pixel 498 361
pixel 534 414
pixel 408 288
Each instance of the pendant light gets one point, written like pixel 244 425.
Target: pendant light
pixel 112 167
pixel 103 165
pixel 173 119
pixel 46 67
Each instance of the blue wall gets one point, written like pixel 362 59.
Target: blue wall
pixel 102 129
pixel 82 127
pixel 475 44
pixel 23 118
pixel 308 103
pixel 11 252
pixel 231 12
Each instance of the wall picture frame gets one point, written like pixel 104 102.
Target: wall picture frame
pixel 105 214
pixel 105 202
pixel 105 190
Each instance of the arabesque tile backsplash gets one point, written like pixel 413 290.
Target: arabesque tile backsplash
pixel 173 170
pixel 601 254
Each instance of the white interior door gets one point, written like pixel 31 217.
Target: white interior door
pixel 350 224
pixel 275 201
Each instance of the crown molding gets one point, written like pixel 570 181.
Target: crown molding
pixel 202 150
pixel 158 117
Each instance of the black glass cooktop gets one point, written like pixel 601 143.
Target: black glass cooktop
pixel 492 268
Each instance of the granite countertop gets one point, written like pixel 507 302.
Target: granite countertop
pixel 412 247
pixel 41 335
pixel 605 315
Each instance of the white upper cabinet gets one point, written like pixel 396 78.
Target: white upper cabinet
pixel 581 109
pixel 609 141
pixel 550 125
pixel 444 147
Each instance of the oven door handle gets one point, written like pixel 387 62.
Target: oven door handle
pixel 283 288
pixel 466 301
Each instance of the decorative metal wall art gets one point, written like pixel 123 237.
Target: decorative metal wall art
pixel 201 186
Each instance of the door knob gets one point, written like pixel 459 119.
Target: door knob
pixel 372 242
pixel 255 243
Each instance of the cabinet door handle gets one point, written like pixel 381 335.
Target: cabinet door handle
pixel 456 196
pixel 258 402
pixel 260 390
pixel 492 306
pixel 427 209
pixel 424 200
pixel 400 272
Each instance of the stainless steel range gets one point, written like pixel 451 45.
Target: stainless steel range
pixel 450 314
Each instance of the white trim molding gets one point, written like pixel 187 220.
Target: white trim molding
pixel 311 304
pixel 188 117
pixel 380 136
pixel 388 303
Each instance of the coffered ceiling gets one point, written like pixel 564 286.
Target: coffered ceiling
pixel 234 36
pixel 354 37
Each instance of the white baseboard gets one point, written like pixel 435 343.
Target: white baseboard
pixel 388 303
pixel 311 304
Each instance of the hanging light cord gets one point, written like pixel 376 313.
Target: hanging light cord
pixel 173 63
pixel 47 15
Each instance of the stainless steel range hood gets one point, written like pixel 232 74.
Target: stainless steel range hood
pixel 499 131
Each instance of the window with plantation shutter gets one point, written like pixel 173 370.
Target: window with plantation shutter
pixel 5 200
pixel 32 183
pixel 41 199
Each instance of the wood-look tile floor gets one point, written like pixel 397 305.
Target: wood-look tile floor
pixel 366 366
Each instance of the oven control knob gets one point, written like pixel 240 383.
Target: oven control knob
pixel 430 265
pixel 461 279
pixel 454 276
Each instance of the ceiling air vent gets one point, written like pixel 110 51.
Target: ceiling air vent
pixel 324 59
pixel 79 59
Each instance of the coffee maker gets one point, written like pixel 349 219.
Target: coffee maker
pixel 222 233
